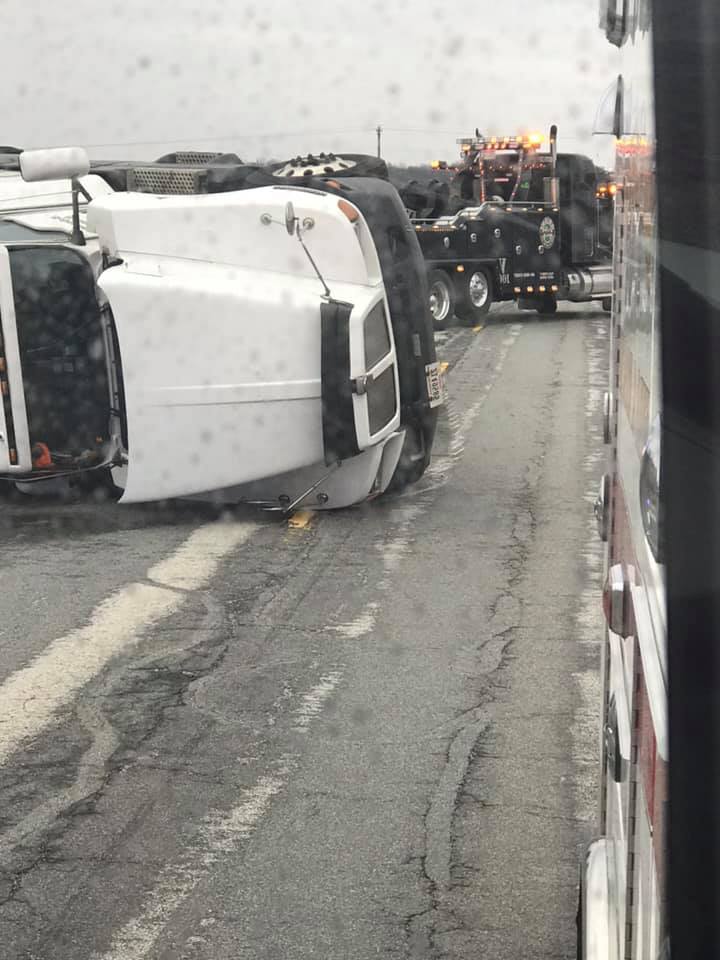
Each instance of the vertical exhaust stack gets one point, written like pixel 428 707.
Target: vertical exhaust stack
pixel 554 192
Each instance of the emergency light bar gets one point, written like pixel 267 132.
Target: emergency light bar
pixel 528 141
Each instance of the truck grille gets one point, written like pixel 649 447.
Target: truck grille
pixel 165 179
pixel 194 158
pixel 381 400
pixel 377 338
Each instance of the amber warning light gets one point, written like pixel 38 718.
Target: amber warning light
pixel 606 190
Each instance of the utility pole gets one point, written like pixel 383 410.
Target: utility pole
pixel 378 130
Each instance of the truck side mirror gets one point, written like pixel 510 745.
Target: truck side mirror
pixel 290 218
pixel 613 18
pixel 609 116
pixel 55 163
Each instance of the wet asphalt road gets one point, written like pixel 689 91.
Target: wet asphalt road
pixel 373 733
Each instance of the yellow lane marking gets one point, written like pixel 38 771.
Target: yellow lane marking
pixel 301 520
pixel 478 328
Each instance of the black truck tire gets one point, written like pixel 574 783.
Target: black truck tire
pixel 337 166
pixel 441 293
pixel 474 293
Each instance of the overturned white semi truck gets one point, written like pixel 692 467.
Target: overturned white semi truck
pixel 269 343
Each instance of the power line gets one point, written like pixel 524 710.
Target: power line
pixel 230 137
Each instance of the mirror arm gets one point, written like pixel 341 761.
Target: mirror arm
pixel 78 237
pixel 298 234
pixel 82 189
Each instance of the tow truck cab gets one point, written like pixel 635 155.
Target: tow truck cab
pixel 518 224
pixel 189 344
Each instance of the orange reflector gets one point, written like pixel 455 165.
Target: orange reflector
pixel 4 387
pixel 41 457
pixel 13 456
pixel 460 268
pixel 3 366
pixel 349 210
pixel 333 183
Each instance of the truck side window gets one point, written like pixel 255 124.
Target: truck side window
pixel 61 347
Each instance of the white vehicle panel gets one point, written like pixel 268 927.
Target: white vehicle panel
pixel 221 371
pixel 618 793
pixel 244 228
pixel 645 903
pixel 350 483
pixel 18 195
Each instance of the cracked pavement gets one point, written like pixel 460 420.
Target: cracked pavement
pixel 374 735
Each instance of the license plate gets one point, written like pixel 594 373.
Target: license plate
pixel 435 377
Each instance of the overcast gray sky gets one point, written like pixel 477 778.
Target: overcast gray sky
pixel 135 78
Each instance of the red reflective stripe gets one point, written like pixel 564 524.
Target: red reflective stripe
pixel 647 746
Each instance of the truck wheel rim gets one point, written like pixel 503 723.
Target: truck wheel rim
pixel 478 289
pixel 439 301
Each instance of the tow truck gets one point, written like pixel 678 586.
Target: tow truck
pixel 516 223
pixel 269 342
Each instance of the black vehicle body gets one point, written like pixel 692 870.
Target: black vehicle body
pixel 503 238
pixel 539 226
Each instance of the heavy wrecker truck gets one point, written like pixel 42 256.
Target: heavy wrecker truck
pixel 514 223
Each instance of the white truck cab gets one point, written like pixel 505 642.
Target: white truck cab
pixel 238 342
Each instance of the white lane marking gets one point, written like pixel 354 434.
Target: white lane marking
pixel 460 425
pixel 220 833
pixel 31 697
pixel 360 626
pixel 473 410
pixel 313 702
pixel 393 552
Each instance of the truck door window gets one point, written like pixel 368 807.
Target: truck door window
pixel 61 347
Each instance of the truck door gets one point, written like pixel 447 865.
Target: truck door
pixel 535 245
